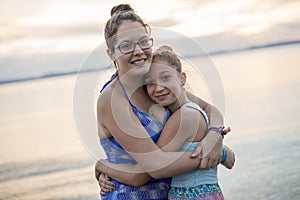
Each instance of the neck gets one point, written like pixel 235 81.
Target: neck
pixel 137 95
pixel 131 84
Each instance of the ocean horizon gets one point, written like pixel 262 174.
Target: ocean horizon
pixel 48 73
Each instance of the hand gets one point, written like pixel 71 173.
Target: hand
pixel 209 150
pixel 230 160
pixel 103 180
pixel 105 184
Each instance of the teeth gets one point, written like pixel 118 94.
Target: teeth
pixel 139 61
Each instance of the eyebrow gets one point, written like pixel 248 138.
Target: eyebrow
pixel 163 72
pixel 124 41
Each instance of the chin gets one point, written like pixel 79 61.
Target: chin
pixel 144 69
pixel 163 104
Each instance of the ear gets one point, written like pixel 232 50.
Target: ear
pixel 112 58
pixel 110 54
pixel 183 78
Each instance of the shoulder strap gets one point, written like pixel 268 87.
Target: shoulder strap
pixel 110 80
pixel 197 107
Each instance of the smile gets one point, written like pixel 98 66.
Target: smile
pixel 161 96
pixel 142 60
pixel 139 61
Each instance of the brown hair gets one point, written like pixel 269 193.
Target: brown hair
pixel 119 14
pixel 167 54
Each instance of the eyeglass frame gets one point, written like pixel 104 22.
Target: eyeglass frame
pixel 134 46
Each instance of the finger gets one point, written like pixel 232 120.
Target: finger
pixel 108 182
pixel 105 183
pixel 104 187
pixel 102 193
pixel 197 151
pixel 220 159
pixel 214 163
pixel 97 174
pixel 203 164
pixel 211 163
pixel 101 178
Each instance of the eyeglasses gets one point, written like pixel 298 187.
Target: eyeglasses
pixel 129 47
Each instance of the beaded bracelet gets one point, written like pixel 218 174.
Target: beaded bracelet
pixel 218 130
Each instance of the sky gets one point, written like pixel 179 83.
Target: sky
pixel 58 34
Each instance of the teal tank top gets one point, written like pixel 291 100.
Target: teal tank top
pixel 195 177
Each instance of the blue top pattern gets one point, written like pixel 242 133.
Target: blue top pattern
pixel 154 189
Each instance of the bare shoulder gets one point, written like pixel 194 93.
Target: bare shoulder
pixel 187 116
pixel 103 98
pixel 192 123
pixel 184 118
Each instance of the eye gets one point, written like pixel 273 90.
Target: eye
pixel 149 82
pixel 144 42
pixel 165 78
pixel 126 46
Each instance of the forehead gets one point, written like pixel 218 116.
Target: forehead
pixel 130 30
pixel 161 66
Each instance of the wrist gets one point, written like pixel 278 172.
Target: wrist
pixel 219 130
pixel 224 156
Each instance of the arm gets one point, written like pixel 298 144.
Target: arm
pixel 139 145
pixel 215 116
pixel 124 173
pixel 229 162
pixel 178 129
pixel 210 149
pixel 133 178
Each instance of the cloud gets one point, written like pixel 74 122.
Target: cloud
pixel 165 22
pixel 48 31
pixel 38 28
pixel 48 20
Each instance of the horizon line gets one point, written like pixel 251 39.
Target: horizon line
pixel 213 53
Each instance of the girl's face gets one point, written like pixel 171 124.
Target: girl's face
pixel 137 60
pixel 164 84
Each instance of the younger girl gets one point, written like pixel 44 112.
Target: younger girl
pixel 165 85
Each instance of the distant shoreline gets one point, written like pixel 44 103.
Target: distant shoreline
pixel 47 76
pixel 257 47
pixel 188 56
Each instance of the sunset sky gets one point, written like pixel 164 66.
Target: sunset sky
pixel 36 33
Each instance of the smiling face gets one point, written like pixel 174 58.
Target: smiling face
pixel 165 85
pixel 138 61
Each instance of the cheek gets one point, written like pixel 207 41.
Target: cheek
pixel 122 59
pixel 149 90
pixel 175 90
pixel 148 52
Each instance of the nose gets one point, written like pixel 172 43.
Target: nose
pixel 159 87
pixel 137 50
